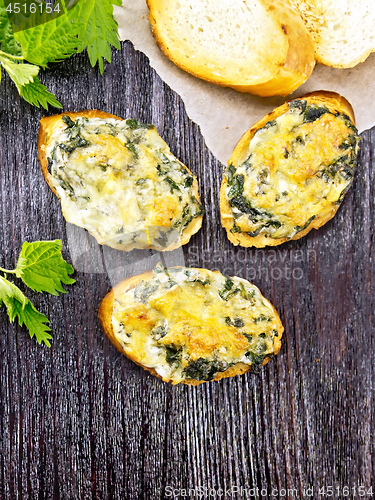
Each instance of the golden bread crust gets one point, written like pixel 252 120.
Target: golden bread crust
pixel 105 317
pixel 285 69
pixel 332 101
pixel 47 126
pixel 321 22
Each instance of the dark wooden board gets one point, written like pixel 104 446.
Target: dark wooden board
pixel 80 421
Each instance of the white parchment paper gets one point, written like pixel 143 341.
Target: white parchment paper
pixel 224 114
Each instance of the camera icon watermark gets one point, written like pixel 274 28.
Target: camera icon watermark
pixel 89 257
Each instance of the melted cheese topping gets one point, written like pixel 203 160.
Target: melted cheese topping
pixel 297 168
pixel 193 323
pixel 119 180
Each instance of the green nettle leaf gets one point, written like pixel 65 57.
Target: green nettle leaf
pixel 42 268
pixel 10 294
pixel 52 41
pixel 18 306
pixel 100 30
pixel 34 322
pixel 88 24
pixel 38 95
pixel 21 74
pixel 8 43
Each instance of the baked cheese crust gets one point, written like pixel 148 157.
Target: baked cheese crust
pixel 290 172
pixel 189 325
pixel 118 179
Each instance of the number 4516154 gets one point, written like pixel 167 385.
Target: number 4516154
pixel 32 8
pixel 330 491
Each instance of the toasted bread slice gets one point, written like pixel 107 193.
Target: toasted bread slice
pixel 260 47
pixel 290 171
pixel 342 30
pixel 118 179
pixel 190 326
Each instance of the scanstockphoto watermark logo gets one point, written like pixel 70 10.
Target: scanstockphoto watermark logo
pixel 275 264
pixel 302 492
pixel 237 492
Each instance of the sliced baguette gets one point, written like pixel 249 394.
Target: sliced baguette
pixel 119 297
pixel 53 124
pixel 342 30
pixel 335 104
pixel 261 47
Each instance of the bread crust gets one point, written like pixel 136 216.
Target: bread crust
pixel 48 125
pixel 360 59
pixel 315 14
pixel 105 318
pixel 333 101
pixel 297 64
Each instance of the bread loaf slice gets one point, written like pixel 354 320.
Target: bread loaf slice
pixel 258 46
pixel 342 30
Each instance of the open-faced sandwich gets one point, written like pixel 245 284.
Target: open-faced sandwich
pixel 191 325
pixel 118 179
pixel 289 173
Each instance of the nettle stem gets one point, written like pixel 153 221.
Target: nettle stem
pixel 6 271
pixel 11 56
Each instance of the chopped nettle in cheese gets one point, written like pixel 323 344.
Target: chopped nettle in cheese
pixel 194 323
pixel 118 180
pixel 297 167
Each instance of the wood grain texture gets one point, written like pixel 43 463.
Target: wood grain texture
pixel 81 421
